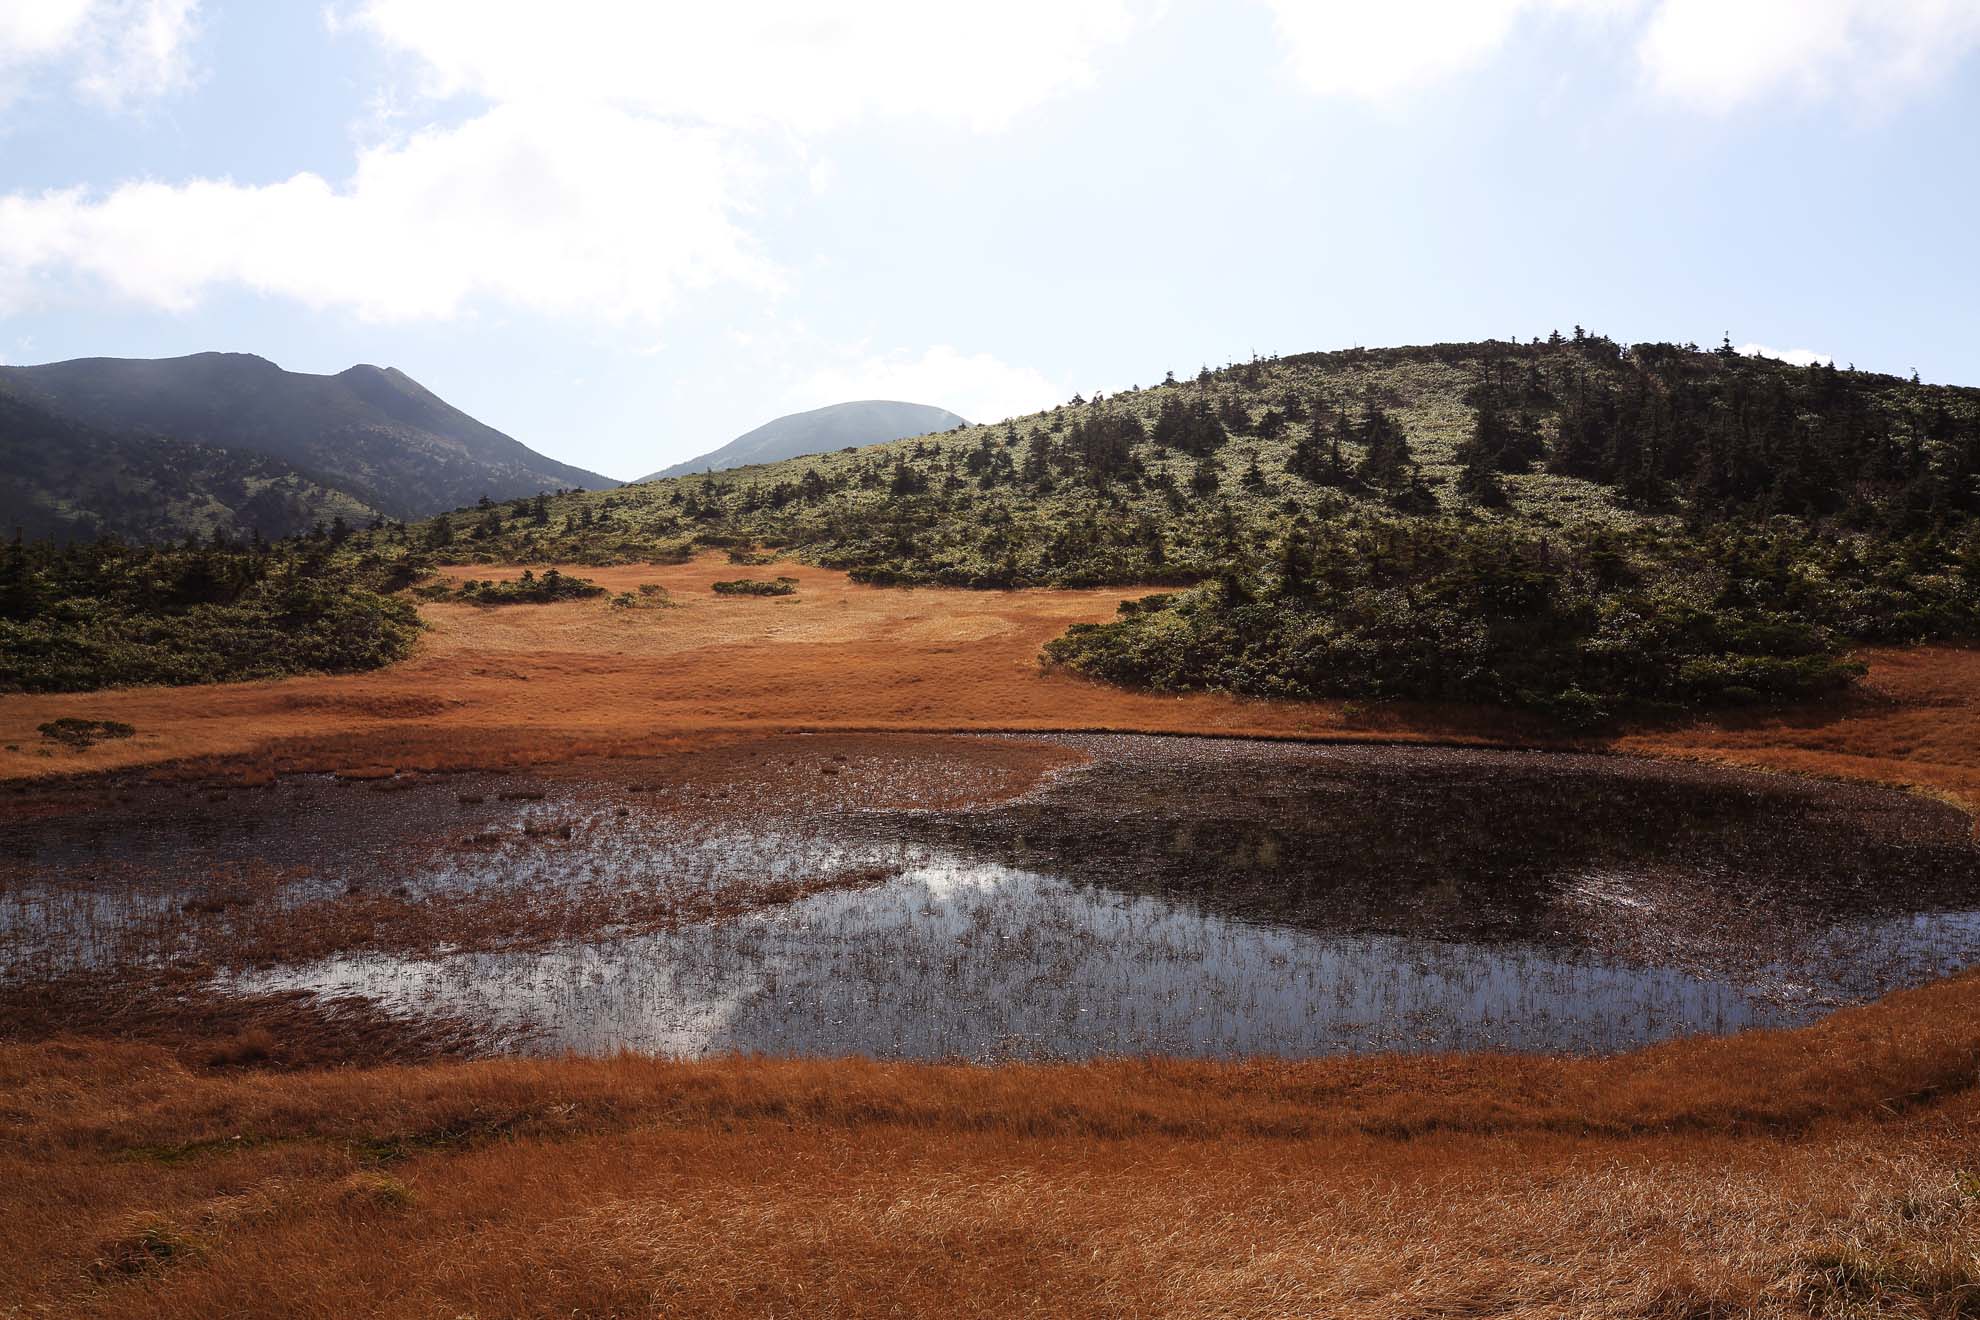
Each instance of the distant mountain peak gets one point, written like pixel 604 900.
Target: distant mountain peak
pixel 818 431
pixel 371 433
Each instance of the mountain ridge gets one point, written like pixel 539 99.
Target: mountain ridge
pixel 372 434
pixel 68 482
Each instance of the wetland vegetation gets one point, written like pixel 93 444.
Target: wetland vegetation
pixel 1187 897
pixel 526 589
pixel 778 586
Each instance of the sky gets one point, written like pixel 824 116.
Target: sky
pixel 625 231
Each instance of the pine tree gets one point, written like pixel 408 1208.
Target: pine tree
pixel 1386 457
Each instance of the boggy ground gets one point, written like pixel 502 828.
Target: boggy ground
pixel 498 686
pixel 1832 1170
pixel 854 893
pixel 122 896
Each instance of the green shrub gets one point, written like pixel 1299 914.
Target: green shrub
pixel 783 586
pixel 529 589
pixel 1576 627
pixel 110 614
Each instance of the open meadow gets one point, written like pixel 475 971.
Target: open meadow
pixel 330 1077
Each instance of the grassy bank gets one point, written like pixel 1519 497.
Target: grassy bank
pixel 1818 1172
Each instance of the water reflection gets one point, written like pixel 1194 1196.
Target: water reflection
pixel 1187 896
pixel 974 961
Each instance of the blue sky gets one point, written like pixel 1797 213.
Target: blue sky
pixel 625 231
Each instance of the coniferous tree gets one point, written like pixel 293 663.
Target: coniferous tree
pixel 1386 459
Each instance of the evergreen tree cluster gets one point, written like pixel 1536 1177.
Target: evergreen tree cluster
pixel 83 616
pixel 1723 436
pixel 1579 626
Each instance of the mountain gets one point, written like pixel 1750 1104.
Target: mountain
pixel 373 435
pixel 866 422
pixel 66 481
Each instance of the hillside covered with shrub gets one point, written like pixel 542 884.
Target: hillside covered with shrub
pixel 1567 524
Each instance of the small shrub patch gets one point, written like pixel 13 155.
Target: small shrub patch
pixel 78 733
pixel 651 596
pixel 783 586
pixel 529 589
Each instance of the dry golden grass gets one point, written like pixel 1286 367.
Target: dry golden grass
pixel 537 684
pixel 1825 1172
pixel 491 686
pixel 1819 1172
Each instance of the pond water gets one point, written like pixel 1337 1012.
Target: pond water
pixel 1181 896
pixel 955 960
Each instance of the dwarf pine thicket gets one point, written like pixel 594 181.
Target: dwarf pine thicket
pixel 781 586
pixel 87 616
pixel 528 589
pixel 1567 524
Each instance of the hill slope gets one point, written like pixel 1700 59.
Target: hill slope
pixel 866 422
pixel 376 435
pixel 1172 482
pixel 1573 525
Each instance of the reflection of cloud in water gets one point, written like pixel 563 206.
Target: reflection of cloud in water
pixel 958 879
pixel 1190 896
pixel 957 960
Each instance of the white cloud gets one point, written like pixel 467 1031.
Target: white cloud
pixel 1375 51
pixel 113 52
pixel 1719 55
pixel 609 171
pixel 1799 357
pixel 796 64
pixel 558 209
pixel 40 29
pixel 977 385
pixel 1710 55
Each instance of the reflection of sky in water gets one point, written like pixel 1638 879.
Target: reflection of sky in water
pixel 983 962
pixel 1865 957
pixel 1181 899
pixel 49 928
pixel 47 931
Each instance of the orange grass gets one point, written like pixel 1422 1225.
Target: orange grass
pixel 541 684
pixel 1828 1171
pixel 1779 1173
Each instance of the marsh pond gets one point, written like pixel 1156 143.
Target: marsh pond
pixel 1186 896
